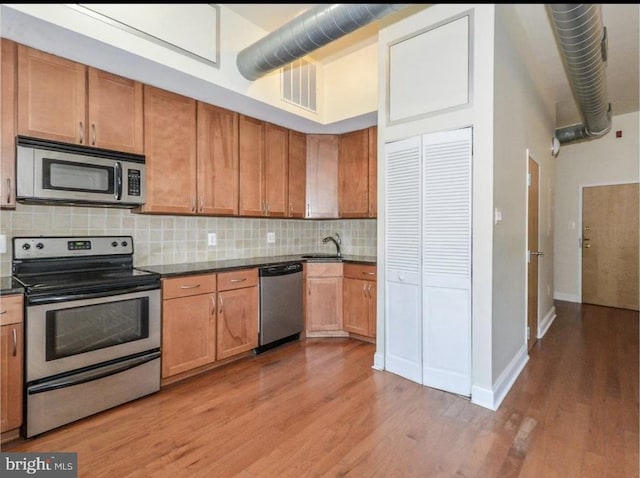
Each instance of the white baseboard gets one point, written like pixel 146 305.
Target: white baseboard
pixel 492 399
pixel 546 322
pixel 566 297
pixel 378 361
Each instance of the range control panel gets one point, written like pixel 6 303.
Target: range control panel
pixel 49 247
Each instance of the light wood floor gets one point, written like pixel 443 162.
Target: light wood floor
pixel 318 409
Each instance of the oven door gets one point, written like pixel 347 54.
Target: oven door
pixel 66 336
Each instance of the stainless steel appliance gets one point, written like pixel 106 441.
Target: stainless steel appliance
pixel 53 172
pixel 281 312
pixel 92 322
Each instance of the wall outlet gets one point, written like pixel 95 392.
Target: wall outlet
pixel 271 237
pixel 3 243
pixel 211 239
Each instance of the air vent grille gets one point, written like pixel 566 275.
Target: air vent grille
pixel 299 84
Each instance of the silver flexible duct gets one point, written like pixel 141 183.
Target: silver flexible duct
pixel 582 40
pixel 307 32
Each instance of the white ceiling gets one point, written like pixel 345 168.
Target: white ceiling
pixel 622 23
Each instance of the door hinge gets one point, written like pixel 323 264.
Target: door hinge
pixel 528 333
pixel 529 179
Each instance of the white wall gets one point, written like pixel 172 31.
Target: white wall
pixel 524 120
pixel 606 160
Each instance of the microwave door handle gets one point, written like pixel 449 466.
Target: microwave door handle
pixel 118 180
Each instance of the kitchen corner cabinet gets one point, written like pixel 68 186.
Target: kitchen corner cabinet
pixel 217 160
pixel 61 100
pixel 170 150
pixel 297 173
pixel 322 176
pixel 263 151
pixel 357 174
pixel 11 360
pixel 323 296
pixel 360 299
pixel 8 120
pixel 238 302
pixel 189 308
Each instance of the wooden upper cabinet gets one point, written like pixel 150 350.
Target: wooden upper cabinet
pixel 322 176
pixel 61 100
pixel 263 168
pixel 8 81
pixel 276 169
pixel 297 173
pixel 217 160
pixel 170 149
pixel 353 174
pixel 373 171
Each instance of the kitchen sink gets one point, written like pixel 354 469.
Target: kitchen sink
pixel 319 256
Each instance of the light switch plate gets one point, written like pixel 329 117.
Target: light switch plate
pixel 271 237
pixel 211 239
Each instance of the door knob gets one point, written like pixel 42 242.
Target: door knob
pixel 537 253
pixel 587 246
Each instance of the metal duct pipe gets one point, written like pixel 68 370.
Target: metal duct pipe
pixel 582 39
pixel 307 32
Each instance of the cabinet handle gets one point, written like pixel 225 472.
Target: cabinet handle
pixel 15 342
pixel 238 280
pixel 221 303
pixel 308 210
pixel 8 190
pixel 2 312
pixel 201 203
pixel 93 134
pixel 369 273
pixel 364 290
pixel 81 132
pixel 290 209
pixel 369 290
pixel 193 204
pixel 213 304
pixel 190 286
pixel 309 290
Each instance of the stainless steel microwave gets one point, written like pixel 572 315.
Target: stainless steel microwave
pixel 60 173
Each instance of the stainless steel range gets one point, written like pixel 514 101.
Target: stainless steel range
pixel 92 324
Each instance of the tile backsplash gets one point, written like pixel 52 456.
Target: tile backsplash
pixel 160 239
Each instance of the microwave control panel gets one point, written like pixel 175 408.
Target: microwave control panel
pixel 133 182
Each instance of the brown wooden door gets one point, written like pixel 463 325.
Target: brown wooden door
pixel 297 173
pixel 51 97
pixel 237 321
pixel 534 253
pixel 322 176
pixel 276 170
pixel 373 308
pixel 373 171
pixel 610 245
pixel 217 164
pixel 8 99
pixel 353 174
pixel 170 150
pixel 251 164
pixel 115 112
pixel 356 306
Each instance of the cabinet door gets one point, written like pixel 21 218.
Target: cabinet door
pixel 356 306
pixel 170 150
pixel 276 170
pixel 8 121
pixel 217 170
pixel 373 171
pixel 188 333
pixel 323 303
pixel 322 176
pixel 251 167
pixel 10 376
pixel 373 308
pixel 115 112
pixel 51 97
pixel 353 174
pixel 297 173
pixel 237 321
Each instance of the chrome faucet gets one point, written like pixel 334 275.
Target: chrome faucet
pixel 336 240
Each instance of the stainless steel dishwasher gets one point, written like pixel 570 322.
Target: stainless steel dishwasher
pixel 281 313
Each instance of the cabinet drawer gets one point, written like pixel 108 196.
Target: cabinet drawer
pixel 237 279
pixel 360 271
pixel 323 269
pixel 188 285
pixel 11 309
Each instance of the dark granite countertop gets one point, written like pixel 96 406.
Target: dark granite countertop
pixel 8 285
pixel 168 270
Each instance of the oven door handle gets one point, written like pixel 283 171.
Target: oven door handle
pixel 35 299
pixel 93 374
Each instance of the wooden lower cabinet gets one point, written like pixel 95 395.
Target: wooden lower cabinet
pixel 11 362
pixel 208 317
pixel 323 297
pixel 238 302
pixel 359 299
pixel 188 323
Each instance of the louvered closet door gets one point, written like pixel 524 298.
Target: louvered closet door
pixel 403 306
pixel 446 255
